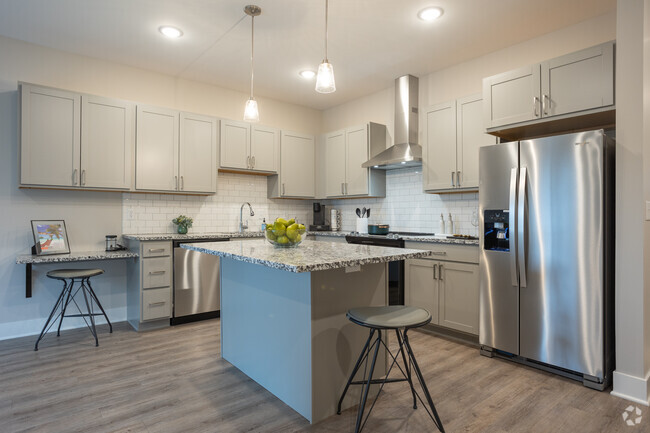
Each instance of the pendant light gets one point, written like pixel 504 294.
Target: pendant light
pixel 251 113
pixel 325 79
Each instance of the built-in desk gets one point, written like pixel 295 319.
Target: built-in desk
pixel 32 259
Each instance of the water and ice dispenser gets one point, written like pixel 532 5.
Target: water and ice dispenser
pixel 496 231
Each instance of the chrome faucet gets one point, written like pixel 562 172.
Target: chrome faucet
pixel 243 226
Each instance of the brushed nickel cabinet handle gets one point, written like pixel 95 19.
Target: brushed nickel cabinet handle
pixel 438 253
pixel 458 178
pixel 182 183
pixel 434 272
pixel 253 159
pixel 156 272
pixel 83 177
pixel 283 192
pixel 74 176
pixel 176 182
pixel 248 162
pixel 342 188
pixel 545 105
pixel 157 304
pixel 156 250
pixel 453 182
pixel 346 188
pixel 440 272
pixel 535 103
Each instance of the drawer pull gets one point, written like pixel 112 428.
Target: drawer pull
pixel 156 250
pixel 157 304
pixel 156 272
pixel 439 253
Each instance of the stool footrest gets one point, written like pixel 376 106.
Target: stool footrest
pixel 378 381
pixel 84 315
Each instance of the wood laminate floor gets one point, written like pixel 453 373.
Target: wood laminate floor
pixel 173 380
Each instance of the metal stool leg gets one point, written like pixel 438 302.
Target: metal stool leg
pixel 65 307
pixel 366 386
pixel 93 329
pixel 407 366
pixel 422 382
pixel 49 319
pixel 356 368
pixel 94 296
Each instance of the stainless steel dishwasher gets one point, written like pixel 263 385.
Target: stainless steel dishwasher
pixel 196 284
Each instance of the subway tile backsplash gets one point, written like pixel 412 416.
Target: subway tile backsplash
pixel 405 208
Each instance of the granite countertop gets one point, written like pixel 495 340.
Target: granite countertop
pixel 177 237
pixel 430 239
pixel 74 257
pixel 308 256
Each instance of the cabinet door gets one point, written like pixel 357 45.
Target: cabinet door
pixel 197 156
pixel 578 81
pixel 512 97
pixel 156 149
pixel 297 165
pixel 107 140
pixel 459 296
pixel 265 147
pixel 235 144
pixel 335 164
pixel 49 136
pixel 439 152
pixel 470 136
pixel 356 154
pixel 420 288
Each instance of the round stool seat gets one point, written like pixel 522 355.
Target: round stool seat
pixel 61 274
pixel 390 317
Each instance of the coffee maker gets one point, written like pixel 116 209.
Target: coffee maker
pixel 319 219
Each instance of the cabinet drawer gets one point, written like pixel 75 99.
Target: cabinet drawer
pixel 449 252
pixel 156 304
pixel 156 249
pixel 156 272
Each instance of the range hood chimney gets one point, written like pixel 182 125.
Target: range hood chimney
pixel 406 152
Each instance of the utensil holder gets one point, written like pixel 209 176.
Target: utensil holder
pixel 362 225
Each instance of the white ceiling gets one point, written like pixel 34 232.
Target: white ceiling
pixel 370 41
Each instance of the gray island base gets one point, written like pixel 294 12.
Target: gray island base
pixel 283 318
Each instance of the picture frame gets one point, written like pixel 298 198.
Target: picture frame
pixel 50 237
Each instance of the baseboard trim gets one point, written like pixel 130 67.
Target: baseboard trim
pixel 631 388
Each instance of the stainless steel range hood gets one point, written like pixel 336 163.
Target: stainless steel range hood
pixel 406 152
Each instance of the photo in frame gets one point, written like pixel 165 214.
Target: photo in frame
pixel 50 237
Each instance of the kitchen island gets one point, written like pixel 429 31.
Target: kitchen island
pixel 283 314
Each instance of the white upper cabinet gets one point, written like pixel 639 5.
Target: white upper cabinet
pixel 345 152
pixel 453 134
pixel 296 177
pixel 335 164
pixel 157 149
pixel 235 144
pixel 439 147
pixel 573 83
pixel 73 140
pixel 265 148
pixel 107 142
pixel 248 147
pixel 49 136
pixel 175 152
pixel 197 153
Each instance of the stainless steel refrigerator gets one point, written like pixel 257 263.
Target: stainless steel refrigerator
pixel 546 211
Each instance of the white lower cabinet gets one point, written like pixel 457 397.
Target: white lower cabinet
pixel 149 285
pixel 448 289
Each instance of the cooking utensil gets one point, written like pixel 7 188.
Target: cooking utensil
pixel 378 229
pixel 368 213
pixel 359 212
pixel 363 212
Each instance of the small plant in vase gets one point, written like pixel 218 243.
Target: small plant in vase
pixel 183 222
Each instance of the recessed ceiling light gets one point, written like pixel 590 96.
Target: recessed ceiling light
pixel 430 14
pixel 170 32
pixel 307 74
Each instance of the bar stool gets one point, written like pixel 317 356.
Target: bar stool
pixel 82 276
pixel 401 319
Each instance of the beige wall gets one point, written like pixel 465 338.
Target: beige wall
pixel 466 78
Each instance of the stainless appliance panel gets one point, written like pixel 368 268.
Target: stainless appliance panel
pixel 562 302
pixel 196 282
pixel 499 298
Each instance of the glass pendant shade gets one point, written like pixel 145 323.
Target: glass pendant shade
pixel 251 114
pixel 325 79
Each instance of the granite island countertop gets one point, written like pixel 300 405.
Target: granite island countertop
pixel 308 256
pixel 83 256
pixel 436 239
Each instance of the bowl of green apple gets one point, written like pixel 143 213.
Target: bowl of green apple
pixel 285 233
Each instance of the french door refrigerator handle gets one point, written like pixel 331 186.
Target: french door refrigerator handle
pixel 512 222
pixel 522 216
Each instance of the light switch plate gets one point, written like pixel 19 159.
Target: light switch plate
pixel 647 210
